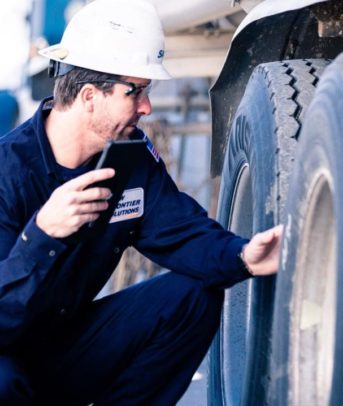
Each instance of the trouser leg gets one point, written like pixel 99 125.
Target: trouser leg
pixel 15 389
pixel 140 346
pixel 161 373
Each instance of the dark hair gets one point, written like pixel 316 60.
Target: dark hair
pixel 66 89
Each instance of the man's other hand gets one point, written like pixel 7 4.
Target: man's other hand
pixel 261 254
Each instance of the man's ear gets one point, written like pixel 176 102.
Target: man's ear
pixel 88 95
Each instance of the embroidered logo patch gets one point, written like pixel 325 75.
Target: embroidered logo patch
pixel 131 205
pixel 151 148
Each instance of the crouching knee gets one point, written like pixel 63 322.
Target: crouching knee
pixel 192 299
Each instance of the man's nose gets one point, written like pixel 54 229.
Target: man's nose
pixel 144 106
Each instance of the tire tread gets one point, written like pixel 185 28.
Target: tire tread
pixel 291 84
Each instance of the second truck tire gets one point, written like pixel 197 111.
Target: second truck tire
pixel 307 351
pixel 254 184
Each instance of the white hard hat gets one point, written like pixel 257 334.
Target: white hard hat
pixel 122 37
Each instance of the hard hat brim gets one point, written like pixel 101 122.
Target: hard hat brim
pixel 152 71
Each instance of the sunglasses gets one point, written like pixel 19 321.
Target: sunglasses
pixel 137 91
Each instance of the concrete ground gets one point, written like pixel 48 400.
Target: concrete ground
pixel 196 393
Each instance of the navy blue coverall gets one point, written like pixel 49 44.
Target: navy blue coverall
pixel 139 346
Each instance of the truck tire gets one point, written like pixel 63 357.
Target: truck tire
pixel 306 362
pixel 258 162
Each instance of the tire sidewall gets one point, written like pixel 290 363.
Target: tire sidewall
pixel 246 146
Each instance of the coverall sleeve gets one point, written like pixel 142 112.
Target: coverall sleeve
pixel 26 256
pixel 177 233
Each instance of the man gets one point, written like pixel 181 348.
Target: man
pixel 142 345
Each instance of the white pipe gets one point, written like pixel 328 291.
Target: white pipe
pixel 181 14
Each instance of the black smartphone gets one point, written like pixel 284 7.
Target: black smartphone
pixel 123 157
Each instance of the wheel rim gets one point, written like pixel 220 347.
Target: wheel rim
pixel 236 312
pixel 313 306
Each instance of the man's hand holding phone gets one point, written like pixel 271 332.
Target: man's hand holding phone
pixel 83 206
pixel 75 203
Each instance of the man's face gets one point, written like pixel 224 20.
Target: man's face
pixel 116 115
